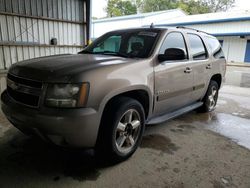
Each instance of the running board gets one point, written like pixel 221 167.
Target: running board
pixel 171 115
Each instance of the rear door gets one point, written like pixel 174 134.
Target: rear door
pixel 200 64
pixel 173 79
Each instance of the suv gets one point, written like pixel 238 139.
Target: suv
pixel 103 96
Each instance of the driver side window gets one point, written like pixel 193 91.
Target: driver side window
pixel 174 40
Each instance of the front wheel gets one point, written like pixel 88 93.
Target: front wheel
pixel 211 97
pixel 121 129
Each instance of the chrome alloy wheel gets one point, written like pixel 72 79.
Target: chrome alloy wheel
pixel 127 131
pixel 212 98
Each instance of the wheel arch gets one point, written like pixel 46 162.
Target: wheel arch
pixel 141 95
pixel 217 78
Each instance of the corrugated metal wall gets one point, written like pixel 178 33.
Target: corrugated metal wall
pixel 27 26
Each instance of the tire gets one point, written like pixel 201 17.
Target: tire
pixel 210 99
pixel 121 130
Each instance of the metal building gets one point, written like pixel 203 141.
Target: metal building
pixel 34 28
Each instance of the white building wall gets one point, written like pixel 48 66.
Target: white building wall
pixel 227 27
pixel 101 26
pixel 170 14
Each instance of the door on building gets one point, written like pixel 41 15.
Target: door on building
pixel 247 55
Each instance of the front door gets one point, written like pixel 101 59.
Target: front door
pixel 173 79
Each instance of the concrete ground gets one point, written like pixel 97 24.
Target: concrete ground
pixel 194 150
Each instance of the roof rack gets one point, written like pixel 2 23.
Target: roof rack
pixel 182 27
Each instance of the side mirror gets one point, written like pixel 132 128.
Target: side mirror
pixel 172 54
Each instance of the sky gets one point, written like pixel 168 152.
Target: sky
pixel 99 5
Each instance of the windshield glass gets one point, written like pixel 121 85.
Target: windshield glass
pixel 132 44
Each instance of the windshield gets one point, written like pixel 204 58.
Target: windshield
pixel 132 44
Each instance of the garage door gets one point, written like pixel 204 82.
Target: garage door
pixel 247 56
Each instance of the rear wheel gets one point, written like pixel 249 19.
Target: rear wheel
pixel 121 130
pixel 210 99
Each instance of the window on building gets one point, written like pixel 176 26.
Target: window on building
pixel 197 47
pixel 174 40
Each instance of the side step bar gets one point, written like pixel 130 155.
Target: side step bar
pixel 171 115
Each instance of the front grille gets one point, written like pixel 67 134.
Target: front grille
pixel 23 90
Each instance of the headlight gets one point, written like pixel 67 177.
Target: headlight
pixel 67 95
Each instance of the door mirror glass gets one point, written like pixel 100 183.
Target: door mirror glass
pixel 172 54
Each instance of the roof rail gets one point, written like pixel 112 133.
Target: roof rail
pixel 182 27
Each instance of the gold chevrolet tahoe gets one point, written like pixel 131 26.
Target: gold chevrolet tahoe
pixel 103 96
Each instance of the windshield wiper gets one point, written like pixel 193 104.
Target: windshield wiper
pixel 86 52
pixel 114 53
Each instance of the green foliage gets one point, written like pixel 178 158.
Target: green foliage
pixel 194 7
pixel 157 5
pixel 205 6
pixel 219 5
pixel 120 8
pixel 127 7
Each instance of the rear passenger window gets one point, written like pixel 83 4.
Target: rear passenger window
pixel 197 47
pixel 174 40
pixel 215 47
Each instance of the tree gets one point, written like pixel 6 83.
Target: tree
pixel 155 5
pixel 120 8
pixel 205 6
pixel 127 7
pixel 219 5
pixel 190 6
pixel 194 7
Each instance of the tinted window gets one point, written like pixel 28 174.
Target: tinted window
pixel 110 44
pixel 215 47
pixel 197 47
pixel 135 42
pixel 174 40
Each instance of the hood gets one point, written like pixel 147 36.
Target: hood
pixel 62 68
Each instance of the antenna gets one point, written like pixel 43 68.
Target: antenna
pixel 152 25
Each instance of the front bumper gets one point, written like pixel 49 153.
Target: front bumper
pixel 65 127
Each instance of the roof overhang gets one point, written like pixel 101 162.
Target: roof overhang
pixel 231 34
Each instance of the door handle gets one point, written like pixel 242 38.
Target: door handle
pixel 208 66
pixel 188 70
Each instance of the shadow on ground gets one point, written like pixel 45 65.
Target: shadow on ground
pixel 23 156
